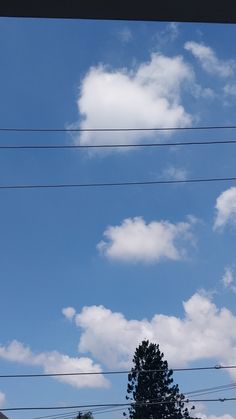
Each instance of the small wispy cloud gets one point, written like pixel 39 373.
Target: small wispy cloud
pixel 228 279
pixel 174 173
pixel 209 60
pixel 167 35
pixel 230 89
pixel 125 35
pixel 2 399
pixel 68 312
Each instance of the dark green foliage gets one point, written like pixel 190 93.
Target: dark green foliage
pixel 153 387
pixel 87 415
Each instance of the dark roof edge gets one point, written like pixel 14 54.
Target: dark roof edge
pixel 208 11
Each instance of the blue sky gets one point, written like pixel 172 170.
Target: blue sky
pixel 153 262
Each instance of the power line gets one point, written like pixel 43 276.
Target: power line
pixel 59 374
pixel 196 128
pixel 109 411
pixel 127 145
pixel 210 390
pixel 100 410
pixel 88 406
pixel 61 415
pixel 69 415
pixel 113 184
pixel 221 400
pixel 205 393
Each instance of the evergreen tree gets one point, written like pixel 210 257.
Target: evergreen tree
pixel 153 387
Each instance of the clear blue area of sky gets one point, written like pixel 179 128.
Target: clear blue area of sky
pixel 48 239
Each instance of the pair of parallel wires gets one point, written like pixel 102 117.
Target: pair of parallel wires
pixel 113 146
pixel 94 407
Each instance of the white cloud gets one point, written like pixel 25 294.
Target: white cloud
pixel 225 208
pixel 68 312
pixel 137 241
pixel 205 416
pixel 2 399
pixel 226 416
pixel 227 277
pixel 148 96
pixel 210 333
pixel 201 412
pixel 55 362
pixel 209 61
pixel 175 173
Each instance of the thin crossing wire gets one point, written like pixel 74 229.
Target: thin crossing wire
pixel 59 374
pixel 210 390
pixel 114 184
pixel 91 406
pixel 98 411
pixel 122 145
pixel 112 129
pixel 71 415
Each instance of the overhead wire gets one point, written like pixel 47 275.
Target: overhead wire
pixel 116 129
pixel 70 414
pixel 59 374
pixel 116 145
pixel 123 183
pixel 74 415
pixel 61 415
pixel 88 406
pixel 210 390
pixel 97 411
pixel 182 143
pixel 110 411
pixel 205 393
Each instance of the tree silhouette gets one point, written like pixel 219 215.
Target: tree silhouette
pixel 87 415
pixel 150 387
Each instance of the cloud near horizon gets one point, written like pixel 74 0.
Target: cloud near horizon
pixel 111 339
pixel 205 416
pixel 210 332
pixel 55 362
